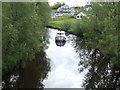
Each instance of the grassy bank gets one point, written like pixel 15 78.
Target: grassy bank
pixel 63 24
pixel 67 23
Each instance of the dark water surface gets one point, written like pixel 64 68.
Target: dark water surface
pixel 72 65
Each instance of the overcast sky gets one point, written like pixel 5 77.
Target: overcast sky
pixel 69 2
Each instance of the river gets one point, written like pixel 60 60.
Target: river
pixel 70 65
pixel 64 63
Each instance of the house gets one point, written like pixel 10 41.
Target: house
pixel 62 11
pixel 66 8
pixel 80 15
pixel 88 6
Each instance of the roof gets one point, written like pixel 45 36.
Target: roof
pixel 81 13
pixel 66 8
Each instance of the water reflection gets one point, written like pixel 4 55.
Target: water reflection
pixel 74 65
pixel 31 76
pixel 64 63
pixel 101 74
pixel 60 38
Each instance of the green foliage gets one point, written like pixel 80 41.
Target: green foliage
pixel 57 5
pixel 100 29
pixel 62 11
pixel 79 9
pixel 77 28
pixel 22 31
pixel 66 25
pixel 43 11
pixel 59 22
pixel 67 16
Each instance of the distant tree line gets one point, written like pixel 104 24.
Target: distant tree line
pixel 57 5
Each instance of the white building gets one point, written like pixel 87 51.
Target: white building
pixel 80 15
pixel 88 8
pixel 66 8
pixel 62 11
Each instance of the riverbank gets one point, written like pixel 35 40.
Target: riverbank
pixel 70 32
pixel 57 23
pixel 64 24
pixel 91 28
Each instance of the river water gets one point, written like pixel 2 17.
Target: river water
pixel 72 65
pixel 64 63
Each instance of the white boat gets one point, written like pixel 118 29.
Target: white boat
pixel 60 39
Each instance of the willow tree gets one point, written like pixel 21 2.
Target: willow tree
pixel 22 31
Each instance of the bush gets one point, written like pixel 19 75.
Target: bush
pixel 77 29
pixel 66 25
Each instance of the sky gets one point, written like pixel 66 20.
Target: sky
pixel 69 2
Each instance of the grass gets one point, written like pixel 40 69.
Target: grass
pixel 67 23
pixel 57 23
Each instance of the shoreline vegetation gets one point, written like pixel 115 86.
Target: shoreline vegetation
pixel 99 28
pixel 23 36
pixel 22 32
pixel 63 24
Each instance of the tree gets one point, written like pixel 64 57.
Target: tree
pixel 100 29
pixel 23 28
pixel 100 32
pixel 57 5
